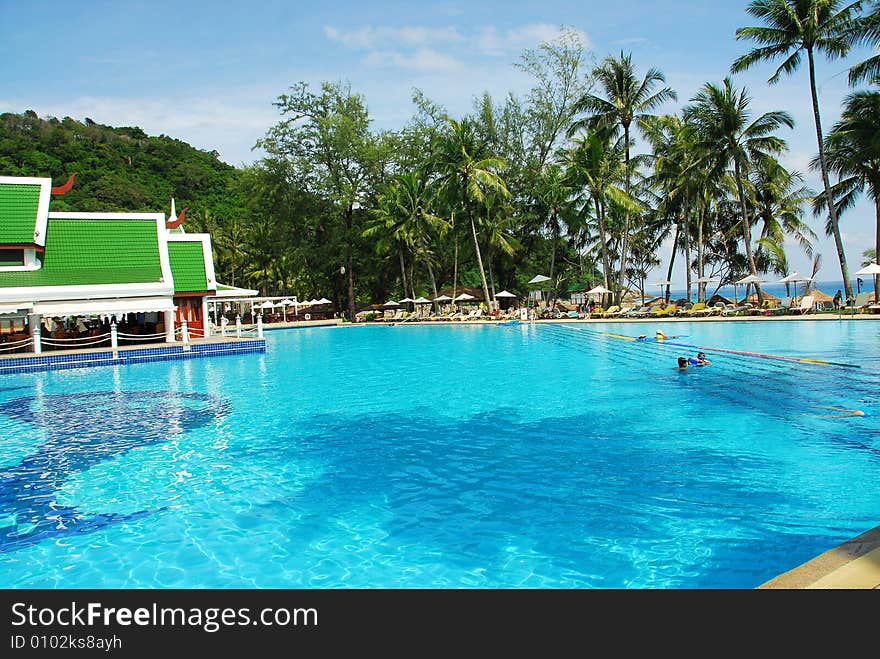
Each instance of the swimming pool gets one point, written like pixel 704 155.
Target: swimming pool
pixel 446 456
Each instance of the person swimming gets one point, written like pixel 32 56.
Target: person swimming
pixel 682 363
pixel 659 335
pixel 699 360
pixel 845 412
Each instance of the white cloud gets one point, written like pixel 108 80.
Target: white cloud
pixel 422 48
pixel 383 38
pixel 423 60
pixel 491 41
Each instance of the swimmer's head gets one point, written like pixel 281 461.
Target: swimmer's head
pixel 858 413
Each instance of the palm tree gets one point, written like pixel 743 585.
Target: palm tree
pixel 626 99
pixel 853 148
pixel 674 159
pixel 388 227
pixel 593 164
pixel 778 199
pixel 720 118
pixel 867 31
pixel 793 27
pixel 469 175
pixel 403 217
pixel 553 193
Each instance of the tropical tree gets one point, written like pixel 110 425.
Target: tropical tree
pixel 792 28
pixel 853 150
pixel 626 99
pixel 326 144
pixel 554 191
pixel 720 119
pixel 404 209
pixel 469 175
pixel 594 167
pixel 779 198
pixel 867 32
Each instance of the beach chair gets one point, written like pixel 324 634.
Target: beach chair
pixel 639 312
pixel 660 311
pixel 806 305
pixel 612 312
pixel 697 309
pixel 862 301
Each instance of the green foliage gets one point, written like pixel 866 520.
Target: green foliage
pixel 117 168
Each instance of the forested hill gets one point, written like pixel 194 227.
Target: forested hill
pixel 117 168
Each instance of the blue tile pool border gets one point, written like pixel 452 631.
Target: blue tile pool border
pixel 128 356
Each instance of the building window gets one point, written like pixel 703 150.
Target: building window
pixel 9 257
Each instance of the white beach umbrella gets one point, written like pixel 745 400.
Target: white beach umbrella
pixel 504 294
pixel 745 281
pixel 794 278
pixel 598 290
pixel 539 279
pixel 286 303
pixel 422 300
pixel 323 300
pixel 464 297
pixel 661 284
pixel 442 298
pixel 391 303
pixel 869 270
pixel 267 305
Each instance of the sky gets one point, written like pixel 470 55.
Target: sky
pixel 207 72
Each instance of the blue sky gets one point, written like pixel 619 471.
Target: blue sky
pixel 207 72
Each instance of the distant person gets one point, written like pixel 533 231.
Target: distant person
pixel 838 297
pixel 682 363
pixel 660 336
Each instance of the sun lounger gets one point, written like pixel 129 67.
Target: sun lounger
pixel 639 312
pixel 805 307
pixel 696 309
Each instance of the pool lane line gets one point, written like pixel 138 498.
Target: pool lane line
pixel 803 360
pixel 760 355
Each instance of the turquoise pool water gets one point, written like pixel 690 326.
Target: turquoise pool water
pixel 465 456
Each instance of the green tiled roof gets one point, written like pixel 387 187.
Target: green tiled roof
pixel 187 266
pixel 82 252
pixel 18 212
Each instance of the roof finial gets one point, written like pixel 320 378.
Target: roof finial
pixel 174 224
pixel 61 189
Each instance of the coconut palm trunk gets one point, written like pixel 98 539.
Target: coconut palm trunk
pixel 550 288
pixel 672 259
pixel 480 260
pixel 606 264
pixel 621 279
pixel 832 210
pixel 701 286
pixel 746 229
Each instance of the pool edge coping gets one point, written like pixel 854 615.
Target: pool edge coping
pixel 854 564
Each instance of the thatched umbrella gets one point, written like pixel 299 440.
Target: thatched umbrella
pixel 753 298
pixel 819 296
